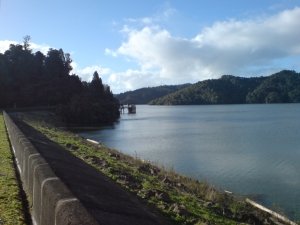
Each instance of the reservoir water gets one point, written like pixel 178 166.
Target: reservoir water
pixel 251 150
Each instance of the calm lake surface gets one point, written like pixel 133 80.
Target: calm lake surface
pixel 247 149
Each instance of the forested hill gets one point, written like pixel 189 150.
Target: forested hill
pixel 282 87
pixel 145 95
pixel 32 79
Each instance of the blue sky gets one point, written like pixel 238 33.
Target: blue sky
pixel 134 43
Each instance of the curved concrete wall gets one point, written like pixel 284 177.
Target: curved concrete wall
pixel 50 200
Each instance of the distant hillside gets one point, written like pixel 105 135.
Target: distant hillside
pixel 145 95
pixel 282 87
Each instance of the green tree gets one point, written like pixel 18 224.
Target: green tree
pixel 57 63
pixel 33 79
pixel 96 88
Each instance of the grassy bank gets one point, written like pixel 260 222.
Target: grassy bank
pixel 182 199
pixel 11 209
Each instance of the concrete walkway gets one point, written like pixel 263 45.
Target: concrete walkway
pixel 106 201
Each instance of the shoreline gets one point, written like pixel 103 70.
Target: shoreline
pixel 245 149
pixel 182 199
pixel 257 205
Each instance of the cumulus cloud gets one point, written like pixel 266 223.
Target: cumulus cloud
pixel 86 73
pixel 118 81
pixel 42 48
pixel 4 45
pixel 235 47
pixel 131 80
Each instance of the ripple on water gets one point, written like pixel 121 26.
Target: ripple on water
pixel 248 149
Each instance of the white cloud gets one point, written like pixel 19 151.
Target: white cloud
pixel 4 45
pixel 161 16
pixel 42 48
pixel 86 73
pixel 131 80
pixel 118 81
pixel 235 47
pixel 110 52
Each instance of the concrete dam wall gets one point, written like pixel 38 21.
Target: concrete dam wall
pixel 51 201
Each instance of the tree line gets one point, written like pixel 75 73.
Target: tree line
pixel 145 95
pixel 281 87
pixel 32 79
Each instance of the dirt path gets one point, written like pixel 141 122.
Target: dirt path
pixel 104 199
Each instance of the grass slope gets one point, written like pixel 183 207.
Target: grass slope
pixel 11 209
